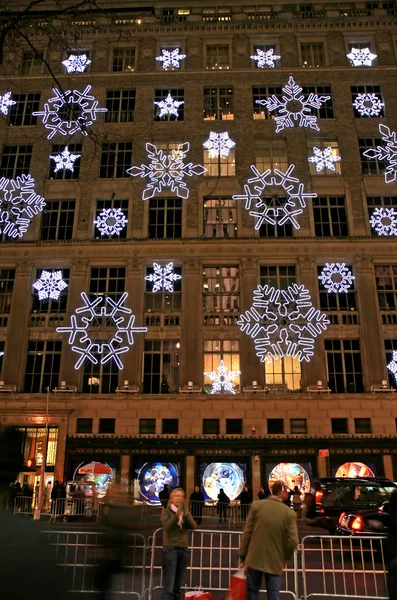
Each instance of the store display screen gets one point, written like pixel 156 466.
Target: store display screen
pixel 230 477
pixel 151 477
pixel 355 469
pixel 291 474
pixel 94 477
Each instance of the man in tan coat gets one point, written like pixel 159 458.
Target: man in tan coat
pixel 270 538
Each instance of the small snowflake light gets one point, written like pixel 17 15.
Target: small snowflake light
pixel 324 159
pixel 265 58
pixel 76 64
pixel 336 278
pixel 169 106
pixel 219 144
pixel 19 203
pixel 6 102
pixel 222 379
pixel 293 108
pixel 368 105
pixel 111 221
pixel 384 221
pixel 163 277
pixel 361 57
pixel 50 285
pixel 386 153
pixel 170 59
pixel 65 160
pixel 392 366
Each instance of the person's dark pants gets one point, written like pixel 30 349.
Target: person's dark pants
pixel 254 581
pixel 222 511
pixel 392 579
pixel 175 561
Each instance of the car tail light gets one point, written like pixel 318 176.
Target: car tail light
pixel 343 516
pixel 319 496
pixel 322 510
pixel 357 523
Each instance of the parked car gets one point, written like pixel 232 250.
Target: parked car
pixel 365 522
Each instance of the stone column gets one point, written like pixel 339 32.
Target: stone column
pixel 250 366
pixel 322 466
pixel 256 476
pixel 190 476
pixel 388 466
pixel 135 286
pixel 125 470
pixel 192 351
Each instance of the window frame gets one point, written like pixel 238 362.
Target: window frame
pixel 118 168
pixel 219 166
pixel 161 93
pixel 16 170
pixel 168 369
pixel 124 47
pixel 371 166
pixel 86 427
pixel 357 386
pixel 106 203
pixel 368 88
pixel 336 426
pixel 236 424
pixel 323 143
pixel 219 113
pixel 68 211
pixel 311 43
pixel 276 425
pixel 224 293
pixel 112 101
pixel 211 424
pixel 64 174
pixel 27 112
pixel 226 66
pixel 168 426
pixel 52 375
pixel 216 350
pixel 216 211
pixel 330 208
pixel 157 210
pixel 105 423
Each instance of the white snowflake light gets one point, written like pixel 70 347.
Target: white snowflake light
pixel 283 323
pixel 163 277
pixel 70 112
pixel 336 278
pixel 265 58
pixel 50 285
pixel 259 201
pixel 6 102
pixel 293 108
pixel 222 379
pixel 65 160
pixel 392 366
pixel 89 334
pixel 324 159
pixel 169 106
pixel 387 153
pixel 111 221
pixel 76 64
pixel 166 171
pixel 19 203
pixel 170 59
pixel 384 221
pixel 361 57
pixel 368 105
pixel 219 144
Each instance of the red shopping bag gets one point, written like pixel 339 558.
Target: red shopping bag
pixel 198 595
pixel 238 586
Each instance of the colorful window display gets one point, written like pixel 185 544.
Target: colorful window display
pixel 151 477
pixel 354 469
pixel 230 477
pixel 93 478
pixel 291 474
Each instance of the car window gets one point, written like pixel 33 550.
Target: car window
pixel 367 494
pixel 338 494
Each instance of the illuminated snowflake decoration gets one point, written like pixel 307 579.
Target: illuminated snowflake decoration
pixel 283 323
pixel 76 64
pixel 111 221
pixel 324 159
pixel 265 58
pixel 6 102
pixel 392 366
pixel 222 379
pixel 384 221
pixel 386 153
pixel 219 144
pixel 368 105
pixel 70 112
pixel 166 171
pixel 293 108
pixel 361 57
pixel 65 160
pixel 274 210
pixel 19 203
pixel 170 59
pixel 336 278
pixel 89 334
pixel 169 106
pixel 50 285
pixel 163 277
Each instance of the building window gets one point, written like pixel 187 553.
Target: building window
pixel 42 367
pixel 160 366
pixel 337 302
pixel 21 113
pixel 218 104
pixel 98 378
pixel 221 289
pixel 371 166
pixel 390 347
pixel 120 105
pixel 107 425
pixel 322 145
pixel 367 89
pixel 123 59
pixel 269 230
pixel 217 56
pixel 344 366
pixel 374 202
pixel 330 219
pixel 339 426
pixel 264 48
pixel 283 374
pixel 263 93
pixel 107 280
pixel 386 285
pixel 51 306
pixel 326 111
pixel 15 161
pixel 106 204
pixel 64 173
pixel 165 218
pixel 362 425
pixel 220 166
pixel 177 94
pixel 116 158
pixel 58 219
pixel 170 426
pixel 360 45
pixel 217 350
pixel 271 154
pixel 275 426
pixel 84 425
pixel 313 54
pixel 234 426
pixel 298 426
pixel 162 300
pixel 34 442
pixel 278 276
pixel 147 426
pixel 7 277
pixel 220 218
pixel 211 427
pixel 31 64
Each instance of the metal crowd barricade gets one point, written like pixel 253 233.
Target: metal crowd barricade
pixel 351 567
pixel 74 509
pixel 213 511
pixel 24 505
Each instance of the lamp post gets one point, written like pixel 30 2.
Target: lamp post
pixel 39 507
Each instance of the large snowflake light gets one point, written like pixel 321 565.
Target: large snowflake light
pixel 293 108
pixel 65 160
pixel 76 64
pixel 89 334
pixel 111 221
pixel 368 105
pixel 384 221
pixel 70 112
pixel 324 159
pixel 336 278
pixel 6 102
pixel 361 57
pixel 163 277
pixel 169 106
pixel 219 144
pixel 392 366
pixel 166 171
pixel 170 59
pixel 50 285
pixel 265 58
pixel 386 153
pixel 222 379
pixel 283 323
pixel 259 198
pixel 19 203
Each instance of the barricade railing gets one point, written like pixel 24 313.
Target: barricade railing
pixel 71 509
pixel 203 512
pixel 24 505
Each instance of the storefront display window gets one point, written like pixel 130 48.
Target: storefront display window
pixel 35 443
pixel 291 474
pixel 231 477
pixel 354 469
pixel 151 477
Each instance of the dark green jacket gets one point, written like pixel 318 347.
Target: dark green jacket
pixel 173 534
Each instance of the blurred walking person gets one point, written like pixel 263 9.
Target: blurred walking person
pixel 222 505
pixel 164 495
pixel 197 505
pixel 391 548
pixel 245 502
pixel 297 502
